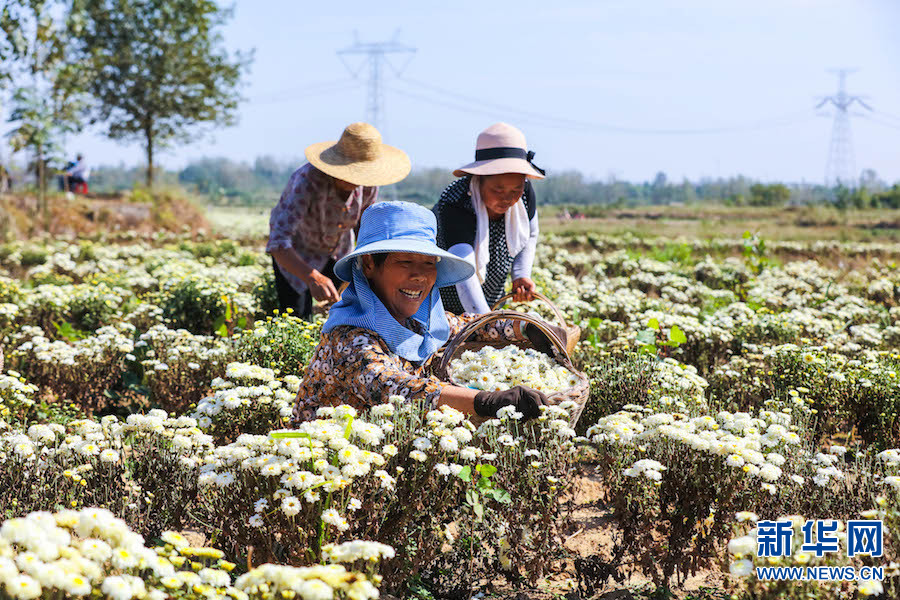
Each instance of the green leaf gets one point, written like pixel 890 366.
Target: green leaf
pixel 219 326
pixel 594 322
pixel 242 323
pixel 349 428
pixel 486 470
pixel 478 507
pixel 653 324
pixel 465 474
pixel 280 435
pixel 69 333
pixel 747 235
pixel 647 337
pixel 502 496
pixel 677 335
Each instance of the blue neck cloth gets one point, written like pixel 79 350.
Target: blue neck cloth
pixel 360 307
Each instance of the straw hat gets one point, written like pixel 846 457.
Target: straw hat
pixel 360 157
pixel 501 149
pixel 403 227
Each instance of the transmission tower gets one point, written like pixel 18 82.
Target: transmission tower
pixel 376 57
pixel 841 168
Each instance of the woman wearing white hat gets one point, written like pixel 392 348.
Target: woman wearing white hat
pixel 489 217
pixel 313 224
pixel 381 338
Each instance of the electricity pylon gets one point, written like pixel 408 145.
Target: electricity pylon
pixel 376 56
pixel 840 169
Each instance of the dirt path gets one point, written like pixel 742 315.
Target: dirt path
pixel 590 544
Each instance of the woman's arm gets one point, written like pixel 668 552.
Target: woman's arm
pixel 460 398
pixel 523 287
pixel 283 222
pixel 522 284
pixel 471 296
pixel 486 404
pixel 321 286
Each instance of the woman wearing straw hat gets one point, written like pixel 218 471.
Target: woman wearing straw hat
pixel 379 340
pixel 313 224
pixel 489 217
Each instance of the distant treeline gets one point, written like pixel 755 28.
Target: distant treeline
pixel 226 182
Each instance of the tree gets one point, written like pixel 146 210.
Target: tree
pixel 775 194
pixel 47 102
pixel 159 71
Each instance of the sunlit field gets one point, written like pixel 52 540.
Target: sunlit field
pixel 734 377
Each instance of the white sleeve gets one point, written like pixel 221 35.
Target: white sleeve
pixel 524 261
pixel 469 291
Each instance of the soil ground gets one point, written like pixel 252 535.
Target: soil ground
pixel 593 536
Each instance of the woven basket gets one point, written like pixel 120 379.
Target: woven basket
pixel 573 332
pixel 579 394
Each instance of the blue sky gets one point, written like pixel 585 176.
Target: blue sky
pixel 568 71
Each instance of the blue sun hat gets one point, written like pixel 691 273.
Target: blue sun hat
pixel 397 227
pixel 403 227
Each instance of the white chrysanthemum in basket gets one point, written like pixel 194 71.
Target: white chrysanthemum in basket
pixel 502 368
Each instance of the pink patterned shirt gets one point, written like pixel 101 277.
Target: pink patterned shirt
pixel 314 219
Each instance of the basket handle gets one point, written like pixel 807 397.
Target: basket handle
pixel 558 313
pixel 470 329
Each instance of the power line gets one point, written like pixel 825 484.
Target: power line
pixel 311 88
pixel 884 114
pixel 314 89
pixel 881 121
pixel 575 125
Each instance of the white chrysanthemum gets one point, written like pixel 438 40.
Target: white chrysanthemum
pixel 290 506
pixel 742 545
pixel 449 443
pixel 23 587
pixel 734 460
pixel 741 568
pixel 422 443
pixel 117 588
pixel 332 517
pixel 469 453
pixel 769 472
pixel 870 587
pixel 176 539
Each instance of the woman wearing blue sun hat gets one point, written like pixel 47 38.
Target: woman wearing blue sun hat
pixel 380 338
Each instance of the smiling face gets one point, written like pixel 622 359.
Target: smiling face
pixel 402 281
pixel 500 192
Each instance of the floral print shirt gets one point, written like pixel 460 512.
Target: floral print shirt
pixel 315 219
pixel 354 366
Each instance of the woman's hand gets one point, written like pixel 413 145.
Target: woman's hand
pixel 322 288
pixel 525 400
pixel 541 342
pixel 523 289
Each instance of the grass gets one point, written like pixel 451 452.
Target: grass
pixel 243 222
pixel 713 221
pixel 807 223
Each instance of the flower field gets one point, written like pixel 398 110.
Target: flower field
pixel 147 385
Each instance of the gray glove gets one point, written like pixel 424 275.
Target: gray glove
pixel 526 400
pixel 540 341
